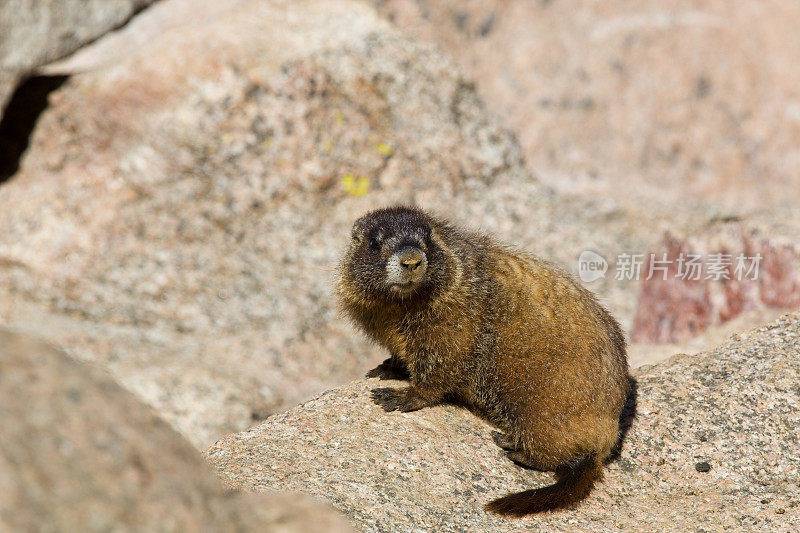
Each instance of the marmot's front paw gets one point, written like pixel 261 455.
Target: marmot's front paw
pixel 389 369
pixel 398 399
pixel 503 440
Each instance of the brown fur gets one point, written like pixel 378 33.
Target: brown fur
pixel 511 336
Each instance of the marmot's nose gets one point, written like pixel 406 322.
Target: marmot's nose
pixel 411 264
pixel 410 258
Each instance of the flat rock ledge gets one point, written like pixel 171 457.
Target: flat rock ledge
pixel 715 446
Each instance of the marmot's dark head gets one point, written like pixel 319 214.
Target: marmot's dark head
pixel 394 254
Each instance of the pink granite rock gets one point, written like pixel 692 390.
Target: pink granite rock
pixel 713 447
pixel 676 102
pixel 36 32
pixel 80 453
pixel 755 269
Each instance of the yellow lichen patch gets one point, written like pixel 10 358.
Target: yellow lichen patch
pixel 384 149
pixel 327 147
pixel 355 185
pixel 340 117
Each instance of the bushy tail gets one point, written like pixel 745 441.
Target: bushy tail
pixel 573 485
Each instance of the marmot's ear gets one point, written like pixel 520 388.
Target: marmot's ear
pixel 358 229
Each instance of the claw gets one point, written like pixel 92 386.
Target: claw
pixel 386 398
pixel 397 399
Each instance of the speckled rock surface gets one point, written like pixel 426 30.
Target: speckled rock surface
pixel 79 453
pixel 692 101
pixel 181 209
pixel 736 408
pixel 644 353
pixel 35 32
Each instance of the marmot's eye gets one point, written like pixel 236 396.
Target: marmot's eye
pixel 374 244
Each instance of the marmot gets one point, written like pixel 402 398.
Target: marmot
pixel 511 336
